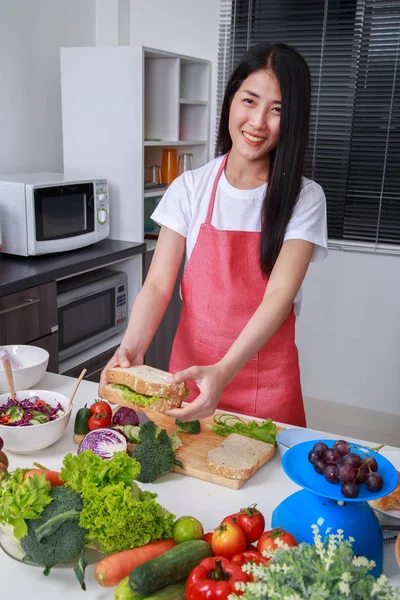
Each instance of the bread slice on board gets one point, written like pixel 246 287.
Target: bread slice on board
pixel 146 380
pixel 239 457
pixel 115 396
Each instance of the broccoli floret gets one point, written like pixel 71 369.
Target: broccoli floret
pixel 63 539
pixel 154 453
pixel 189 427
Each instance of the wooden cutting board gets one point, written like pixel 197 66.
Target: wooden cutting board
pixel 194 449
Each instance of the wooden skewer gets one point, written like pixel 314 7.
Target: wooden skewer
pixel 397 550
pixel 9 375
pixel 81 376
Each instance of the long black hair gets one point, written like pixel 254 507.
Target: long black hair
pixel 287 160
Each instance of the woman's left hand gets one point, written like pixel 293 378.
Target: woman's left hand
pixel 210 382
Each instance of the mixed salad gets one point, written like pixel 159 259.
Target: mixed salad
pixel 31 411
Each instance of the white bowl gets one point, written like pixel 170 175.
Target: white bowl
pixel 30 438
pixel 34 361
pixel 295 435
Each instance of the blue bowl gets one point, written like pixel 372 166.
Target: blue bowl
pixel 287 438
pixel 296 465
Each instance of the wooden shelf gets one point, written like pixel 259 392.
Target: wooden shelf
pixel 177 143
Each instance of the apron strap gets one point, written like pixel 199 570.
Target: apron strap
pixel 214 190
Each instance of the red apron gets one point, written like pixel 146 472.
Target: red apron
pixel 222 287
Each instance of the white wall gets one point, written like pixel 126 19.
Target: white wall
pixel 349 331
pixel 31 34
pixel 183 26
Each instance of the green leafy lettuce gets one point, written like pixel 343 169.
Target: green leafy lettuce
pixel 116 514
pixel 22 499
pixel 264 431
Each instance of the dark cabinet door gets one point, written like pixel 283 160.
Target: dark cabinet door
pixel 49 343
pixel 159 350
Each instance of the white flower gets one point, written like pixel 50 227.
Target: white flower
pixel 362 561
pixel 293 597
pixel 344 588
pixel 379 585
pixel 346 577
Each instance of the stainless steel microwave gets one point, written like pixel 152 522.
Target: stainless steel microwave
pixel 42 213
pixel 91 308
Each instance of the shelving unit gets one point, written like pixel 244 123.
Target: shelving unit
pixel 121 107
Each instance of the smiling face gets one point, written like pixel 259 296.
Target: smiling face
pixel 254 117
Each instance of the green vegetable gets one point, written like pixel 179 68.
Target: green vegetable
pixel 66 541
pixel 264 431
pixel 16 414
pixel 117 514
pixel 154 453
pixel 81 426
pixel 131 396
pixel 169 568
pixel 51 526
pixel 22 499
pixel 80 569
pixel 131 432
pixel 324 570
pixel 82 470
pixel 124 592
pixel 189 427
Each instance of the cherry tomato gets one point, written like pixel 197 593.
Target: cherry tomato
pixel 231 519
pixel 268 539
pixel 101 408
pixel 41 403
pixel 249 556
pixel 227 540
pixel 4 419
pixel 207 537
pixel 252 522
pixel 99 421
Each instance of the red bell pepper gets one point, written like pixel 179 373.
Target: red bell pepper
pixel 249 556
pixel 214 579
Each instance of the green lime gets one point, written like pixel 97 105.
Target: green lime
pixel 187 528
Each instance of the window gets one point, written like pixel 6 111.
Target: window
pixel 353 51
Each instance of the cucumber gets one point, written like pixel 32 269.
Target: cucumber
pixel 81 421
pixel 124 592
pixel 176 591
pixel 171 567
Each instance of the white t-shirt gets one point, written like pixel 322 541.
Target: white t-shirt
pixel 183 208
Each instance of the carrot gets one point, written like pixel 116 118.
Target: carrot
pixel 114 568
pixel 53 477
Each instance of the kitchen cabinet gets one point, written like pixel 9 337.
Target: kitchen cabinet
pixel 30 317
pixel 159 351
pixel 121 107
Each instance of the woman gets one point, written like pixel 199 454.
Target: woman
pixel 250 224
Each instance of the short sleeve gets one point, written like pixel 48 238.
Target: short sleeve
pixel 174 208
pixel 308 221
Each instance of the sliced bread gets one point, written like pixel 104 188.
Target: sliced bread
pixel 115 396
pixel 238 457
pixel 146 380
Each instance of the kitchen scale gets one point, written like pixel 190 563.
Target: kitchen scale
pixel 322 503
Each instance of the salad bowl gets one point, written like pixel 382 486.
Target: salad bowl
pixel 32 435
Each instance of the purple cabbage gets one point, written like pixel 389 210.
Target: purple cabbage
pixel 103 442
pixel 125 416
pixel 28 407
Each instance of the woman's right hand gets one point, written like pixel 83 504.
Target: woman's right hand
pixel 125 356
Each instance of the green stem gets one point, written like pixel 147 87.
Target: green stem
pixel 39 466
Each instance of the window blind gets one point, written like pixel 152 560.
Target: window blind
pixel 353 50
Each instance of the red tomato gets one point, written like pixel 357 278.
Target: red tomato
pixel 207 537
pixel 249 556
pixel 41 403
pixel 268 539
pixel 231 519
pixel 99 421
pixel 227 540
pixel 252 522
pixel 101 408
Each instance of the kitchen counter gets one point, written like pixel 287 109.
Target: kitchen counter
pixel 180 494
pixel 19 273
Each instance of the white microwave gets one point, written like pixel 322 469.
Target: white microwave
pixel 42 213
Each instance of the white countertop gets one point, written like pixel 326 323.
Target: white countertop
pixel 206 501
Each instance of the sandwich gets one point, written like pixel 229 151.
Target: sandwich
pixel 142 388
pixel 239 457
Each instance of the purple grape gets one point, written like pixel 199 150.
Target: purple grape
pixel 330 473
pixel 373 482
pixel 320 465
pixel 350 489
pixel 312 457
pixel 332 456
pixel 371 464
pixel 1 443
pixel 319 449
pixel 342 447
pixel 353 459
pixel 362 474
pixel 346 473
